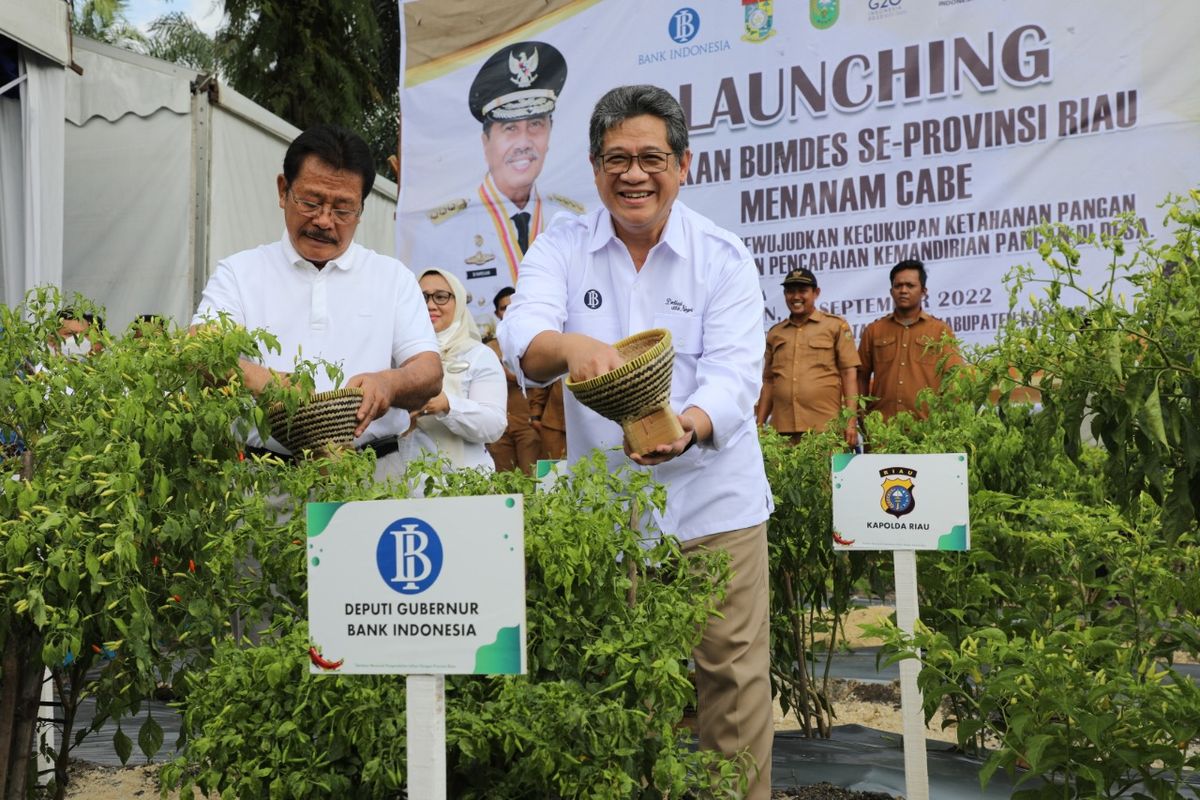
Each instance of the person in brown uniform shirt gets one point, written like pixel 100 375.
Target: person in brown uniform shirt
pixel 902 353
pixel 810 367
pixel 520 446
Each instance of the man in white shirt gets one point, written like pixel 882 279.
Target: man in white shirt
pixel 648 261
pixel 325 297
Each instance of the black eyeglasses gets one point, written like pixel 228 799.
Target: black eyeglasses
pixel 310 209
pixel 620 163
pixel 439 298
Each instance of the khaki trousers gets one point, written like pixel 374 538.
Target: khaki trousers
pixel 518 448
pixel 733 659
pixel 554 443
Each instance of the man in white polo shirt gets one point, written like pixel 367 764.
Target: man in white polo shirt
pixel 325 297
pixel 647 261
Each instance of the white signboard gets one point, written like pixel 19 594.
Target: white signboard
pixel 431 586
pixel 900 502
pixel 837 135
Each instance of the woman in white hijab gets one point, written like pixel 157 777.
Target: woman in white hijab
pixel 471 409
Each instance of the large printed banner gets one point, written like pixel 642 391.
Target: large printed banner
pixel 837 135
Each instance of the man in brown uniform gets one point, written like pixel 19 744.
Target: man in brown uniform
pixel 520 446
pixel 549 420
pixel 810 368
pixel 902 352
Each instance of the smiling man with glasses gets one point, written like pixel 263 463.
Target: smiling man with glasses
pixel 325 297
pixel 643 261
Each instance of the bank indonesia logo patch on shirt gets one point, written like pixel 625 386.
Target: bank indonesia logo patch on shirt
pixel 684 25
pixel 592 299
pixel 898 497
pixel 409 555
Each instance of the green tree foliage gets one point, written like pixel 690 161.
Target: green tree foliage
pixel 105 21
pixel 329 61
pixel 175 37
pixel 324 61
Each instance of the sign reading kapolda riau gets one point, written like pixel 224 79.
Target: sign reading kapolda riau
pixel 900 502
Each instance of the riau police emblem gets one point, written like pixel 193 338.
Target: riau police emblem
pixel 760 19
pixel 897 498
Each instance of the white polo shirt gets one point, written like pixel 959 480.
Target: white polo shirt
pixel 363 311
pixel 700 283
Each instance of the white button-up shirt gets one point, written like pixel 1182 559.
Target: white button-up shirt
pixel 363 311
pixel 700 283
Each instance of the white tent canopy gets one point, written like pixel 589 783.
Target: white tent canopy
pixel 167 171
pixel 31 146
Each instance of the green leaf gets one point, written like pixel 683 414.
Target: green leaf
pixel 1152 418
pixel 1114 356
pixel 1035 748
pixel 123 745
pixel 150 737
pixel 990 766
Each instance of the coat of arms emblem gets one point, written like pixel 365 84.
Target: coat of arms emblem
pixel 897 498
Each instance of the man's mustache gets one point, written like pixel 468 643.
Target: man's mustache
pixel 319 235
pixel 522 153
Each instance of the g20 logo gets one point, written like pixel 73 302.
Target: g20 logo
pixel 409 555
pixel 684 25
pixel 876 5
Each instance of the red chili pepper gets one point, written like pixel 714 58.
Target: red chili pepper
pixel 241 456
pixel 323 662
pixel 154 561
pixel 177 598
pixel 191 565
pixel 96 649
pixel 841 541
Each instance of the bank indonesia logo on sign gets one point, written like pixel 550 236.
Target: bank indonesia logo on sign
pixel 409 555
pixel 684 25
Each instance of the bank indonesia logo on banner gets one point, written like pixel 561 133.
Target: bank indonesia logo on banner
pixel 409 555
pixel 684 25
pixel 823 13
pixel 760 20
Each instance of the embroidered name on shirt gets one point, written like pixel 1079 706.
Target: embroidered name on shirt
pixel 679 306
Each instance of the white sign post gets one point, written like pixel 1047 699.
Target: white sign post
pixel 903 503
pixel 423 588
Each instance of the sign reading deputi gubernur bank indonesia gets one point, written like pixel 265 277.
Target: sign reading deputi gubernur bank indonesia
pixel 900 502
pixel 433 586
pixel 839 135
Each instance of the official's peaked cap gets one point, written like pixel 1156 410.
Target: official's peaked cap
pixel 519 81
pixel 800 277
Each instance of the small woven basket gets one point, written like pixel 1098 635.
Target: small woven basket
pixel 323 424
pixel 637 394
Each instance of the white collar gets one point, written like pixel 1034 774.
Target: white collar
pixel 343 262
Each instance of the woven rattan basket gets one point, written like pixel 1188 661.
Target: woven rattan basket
pixel 324 423
pixel 637 394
